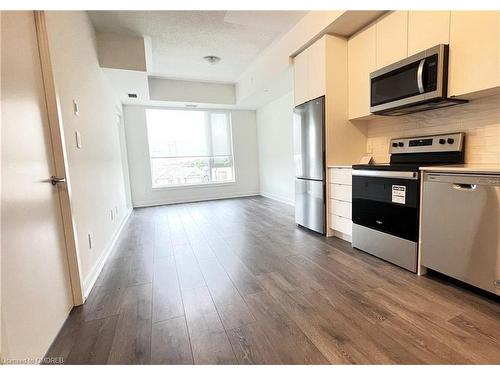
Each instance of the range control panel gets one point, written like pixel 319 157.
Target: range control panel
pixel 451 142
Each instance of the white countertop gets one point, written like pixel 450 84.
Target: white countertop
pixel 464 168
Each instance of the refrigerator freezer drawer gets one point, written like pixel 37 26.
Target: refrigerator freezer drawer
pixel 310 204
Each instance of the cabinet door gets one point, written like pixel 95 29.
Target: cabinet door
pixel 474 63
pixel 316 55
pixel 392 38
pixel 361 51
pixel 300 73
pixel 427 29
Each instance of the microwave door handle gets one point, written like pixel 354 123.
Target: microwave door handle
pixel 420 79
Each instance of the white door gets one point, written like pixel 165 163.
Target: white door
pixel 36 292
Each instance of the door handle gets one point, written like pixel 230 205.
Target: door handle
pixel 466 187
pixel 420 78
pixel 56 180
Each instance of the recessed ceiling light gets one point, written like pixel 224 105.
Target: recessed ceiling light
pixel 212 59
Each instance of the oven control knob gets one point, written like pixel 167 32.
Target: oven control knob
pixel 401 144
pixel 442 141
pixel 450 141
pixel 394 144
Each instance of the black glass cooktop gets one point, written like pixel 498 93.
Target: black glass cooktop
pixel 390 167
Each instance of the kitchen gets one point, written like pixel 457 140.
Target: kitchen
pixel 410 171
pixel 267 187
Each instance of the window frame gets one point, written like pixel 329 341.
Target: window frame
pixel 228 113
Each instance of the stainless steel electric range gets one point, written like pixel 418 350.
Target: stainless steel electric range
pixel 386 197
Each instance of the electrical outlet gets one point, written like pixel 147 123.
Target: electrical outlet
pixel 112 212
pixel 91 240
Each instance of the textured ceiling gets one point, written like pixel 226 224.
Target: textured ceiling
pixel 180 39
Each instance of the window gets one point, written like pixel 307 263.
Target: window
pixel 189 147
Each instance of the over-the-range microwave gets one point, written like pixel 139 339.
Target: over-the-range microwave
pixel 417 83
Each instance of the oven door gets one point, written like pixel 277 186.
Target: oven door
pixel 417 79
pixel 387 201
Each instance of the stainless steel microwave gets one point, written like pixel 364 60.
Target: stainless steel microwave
pixel 417 83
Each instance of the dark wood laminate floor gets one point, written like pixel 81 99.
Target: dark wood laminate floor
pixel 236 281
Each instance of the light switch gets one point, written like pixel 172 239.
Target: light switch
pixel 75 108
pixel 78 138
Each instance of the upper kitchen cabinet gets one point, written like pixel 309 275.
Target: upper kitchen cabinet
pixel 322 69
pixel 362 55
pixel 317 68
pixel 392 38
pixel 310 72
pixel 300 80
pixel 474 52
pixel 427 29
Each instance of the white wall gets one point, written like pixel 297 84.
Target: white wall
pixel 95 171
pixel 245 159
pixel 275 145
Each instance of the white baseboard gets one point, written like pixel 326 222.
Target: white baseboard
pixel 278 198
pixel 89 282
pixel 342 236
pixel 204 199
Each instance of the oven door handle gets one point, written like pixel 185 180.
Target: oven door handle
pixel 387 174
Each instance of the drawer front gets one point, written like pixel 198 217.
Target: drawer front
pixel 341 224
pixel 341 192
pixel 341 176
pixel 341 208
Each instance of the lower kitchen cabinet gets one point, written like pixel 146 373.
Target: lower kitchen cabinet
pixel 339 202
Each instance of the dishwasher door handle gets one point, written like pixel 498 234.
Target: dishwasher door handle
pixel 464 187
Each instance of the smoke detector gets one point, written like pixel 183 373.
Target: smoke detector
pixel 212 59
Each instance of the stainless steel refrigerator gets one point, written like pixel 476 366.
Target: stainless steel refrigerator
pixel 309 156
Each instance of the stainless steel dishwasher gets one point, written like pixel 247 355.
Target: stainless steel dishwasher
pixel 460 234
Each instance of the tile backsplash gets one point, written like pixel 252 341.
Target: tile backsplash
pixel 479 119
